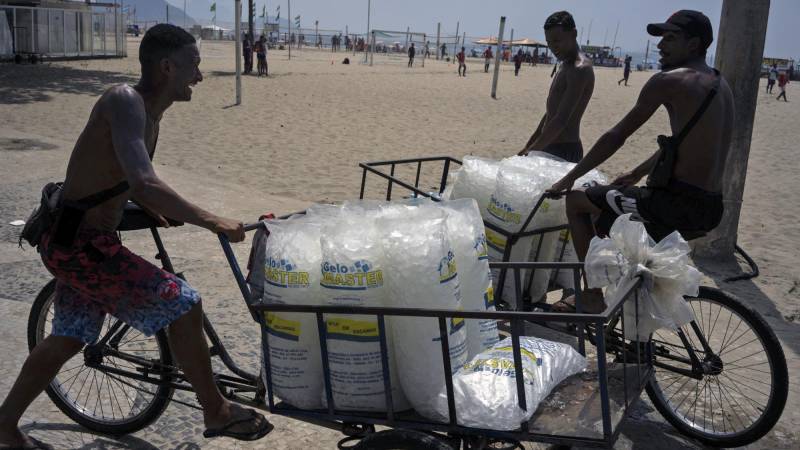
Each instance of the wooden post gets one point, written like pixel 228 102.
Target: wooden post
pixel 497 56
pixel 740 49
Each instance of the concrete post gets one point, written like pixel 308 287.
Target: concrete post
pixel 238 30
pixel 497 56
pixel 740 49
pixel 438 35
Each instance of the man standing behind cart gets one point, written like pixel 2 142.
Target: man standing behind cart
pixel 558 132
pixel 96 274
pixel 684 185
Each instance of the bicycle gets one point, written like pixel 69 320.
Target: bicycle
pixel 131 378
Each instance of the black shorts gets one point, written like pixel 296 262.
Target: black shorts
pixel 678 207
pixel 568 151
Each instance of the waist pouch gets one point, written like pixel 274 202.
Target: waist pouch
pixel 63 216
pixel 661 172
pixel 43 216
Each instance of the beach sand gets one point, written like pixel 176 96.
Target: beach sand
pixel 300 133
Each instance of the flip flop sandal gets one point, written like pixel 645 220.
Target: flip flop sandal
pixel 241 435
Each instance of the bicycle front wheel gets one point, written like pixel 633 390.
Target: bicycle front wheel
pixel 98 399
pixel 735 390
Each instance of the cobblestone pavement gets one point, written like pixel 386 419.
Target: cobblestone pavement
pixel 197 254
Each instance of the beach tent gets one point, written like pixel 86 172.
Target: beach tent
pixel 528 43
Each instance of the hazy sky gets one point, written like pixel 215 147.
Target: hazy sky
pixel 481 17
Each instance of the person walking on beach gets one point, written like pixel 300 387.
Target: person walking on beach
pixel 518 58
pixel 462 65
pixel 626 71
pixel 535 58
pixel 261 54
pixel 247 50
pixel 411 52
pixel 487 59
pixel 97 275
pixel 558 132
pixel 783 80
pixel 684 186
pixel 772 77
pixel 444 50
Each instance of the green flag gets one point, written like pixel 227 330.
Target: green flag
pixel 213 7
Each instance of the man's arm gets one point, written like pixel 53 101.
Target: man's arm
pixel 577 81
pixel 125 112
pixel 534 136
pixel 654 94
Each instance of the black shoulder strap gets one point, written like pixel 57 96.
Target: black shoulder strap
pixel 90 201
pixel 700 111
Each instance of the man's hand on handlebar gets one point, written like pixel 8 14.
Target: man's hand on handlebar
pixel 231 228
pixel 561 187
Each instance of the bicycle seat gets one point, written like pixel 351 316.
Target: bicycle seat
pixel 135 218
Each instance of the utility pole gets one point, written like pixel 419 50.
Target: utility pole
pixel 438 35
pixel 167 13
pixel 497 56
pixel 740 49
pixel 184 14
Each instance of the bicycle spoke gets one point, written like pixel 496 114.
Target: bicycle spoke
pixel 727 395
pixel 731 339
pixel 714 325
pixel 753 404
pixel 737 348
pixel 724 336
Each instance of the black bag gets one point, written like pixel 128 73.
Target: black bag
pixel 66 215
pixel 661 172
pixel 43 216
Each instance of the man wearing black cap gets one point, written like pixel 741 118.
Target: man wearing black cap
pixel 684 185
pixel 558 132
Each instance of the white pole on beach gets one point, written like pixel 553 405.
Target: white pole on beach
pixel 289 27
pixel 455 45
pixel 497 56
pixel 438 36
pixel 511 41
pixel 371 48
pixel 740 49
pixel 367 36
pixel 238 14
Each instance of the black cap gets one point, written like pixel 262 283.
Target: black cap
pixel 693 23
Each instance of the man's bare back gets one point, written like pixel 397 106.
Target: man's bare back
pixel 702 154
pixel 93 165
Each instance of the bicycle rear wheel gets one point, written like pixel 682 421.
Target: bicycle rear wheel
pixel 97 399
pixel 739 388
